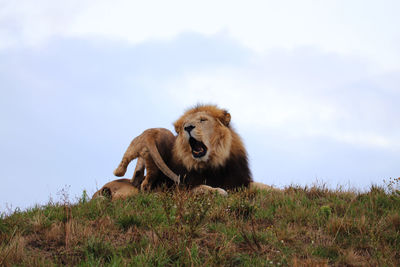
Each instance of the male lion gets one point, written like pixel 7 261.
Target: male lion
pixel 207 152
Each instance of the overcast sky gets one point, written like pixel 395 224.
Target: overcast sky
pixel 313 87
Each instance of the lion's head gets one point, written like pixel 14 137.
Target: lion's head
pixel 205 138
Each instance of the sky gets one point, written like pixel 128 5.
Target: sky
pixel 313 88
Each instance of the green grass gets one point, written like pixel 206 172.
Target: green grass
pixel 297 226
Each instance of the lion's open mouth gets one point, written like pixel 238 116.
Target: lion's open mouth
pixel 199 149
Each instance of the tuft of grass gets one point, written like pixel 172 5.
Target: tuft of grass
pixel 329 252
pixel 297 226
pixel 98 251
pixel 131 220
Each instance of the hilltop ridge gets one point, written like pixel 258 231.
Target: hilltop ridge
pixel 298 226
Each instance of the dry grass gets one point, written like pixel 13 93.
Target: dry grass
pixel 297 226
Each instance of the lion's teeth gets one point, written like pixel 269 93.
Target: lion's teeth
pixel 201 150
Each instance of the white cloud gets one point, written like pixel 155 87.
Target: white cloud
pixel 302 96
pixel 34 22
pixel 365 28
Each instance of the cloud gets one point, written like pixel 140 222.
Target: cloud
pixel 341 26
pixel 303 93
pixel 35 23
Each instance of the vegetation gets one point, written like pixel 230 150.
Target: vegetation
pixel 297 226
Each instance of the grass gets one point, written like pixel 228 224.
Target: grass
pixel 298 226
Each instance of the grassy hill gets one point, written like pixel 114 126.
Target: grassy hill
pixel 297 226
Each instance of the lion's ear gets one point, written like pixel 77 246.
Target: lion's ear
pixel 226 118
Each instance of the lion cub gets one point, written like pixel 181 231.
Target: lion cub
pixel 151 147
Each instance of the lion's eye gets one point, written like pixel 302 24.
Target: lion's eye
pixel 203 119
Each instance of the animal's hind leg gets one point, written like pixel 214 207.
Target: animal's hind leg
pixel 152 173
pixel 121 170
pixel 138 174
pixel 131 153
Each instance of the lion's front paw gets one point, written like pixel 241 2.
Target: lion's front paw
pixel 221 191
pixel 202 189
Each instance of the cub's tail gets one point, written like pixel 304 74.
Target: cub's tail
pixel 155 154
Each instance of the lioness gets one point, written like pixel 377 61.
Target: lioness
pixel 118 189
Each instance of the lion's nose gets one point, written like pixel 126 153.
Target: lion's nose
pixel 189 128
